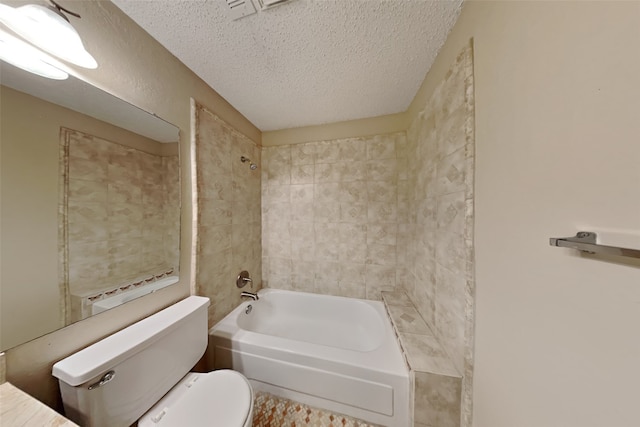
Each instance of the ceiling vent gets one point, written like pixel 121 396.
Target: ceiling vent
pixel 240 8
pixel 268 4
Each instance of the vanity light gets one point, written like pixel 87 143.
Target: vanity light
pixel 22 55
pixel 47 28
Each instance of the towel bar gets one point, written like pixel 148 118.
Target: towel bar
pixel 585 241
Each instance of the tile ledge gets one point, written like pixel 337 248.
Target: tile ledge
pixel 397 298
pixel 430 364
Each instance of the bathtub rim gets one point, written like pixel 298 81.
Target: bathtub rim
pixel 388 358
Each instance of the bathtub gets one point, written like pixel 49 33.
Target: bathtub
pixel 334 353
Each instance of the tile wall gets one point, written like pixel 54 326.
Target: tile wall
pixel 229 206
pixel 122 214
pixel 171 213
pixel 440 194
pixel 331 215
pixel 358 216
pixel 436 382
pixel 3 369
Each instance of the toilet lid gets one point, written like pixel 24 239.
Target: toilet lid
pixel 220 398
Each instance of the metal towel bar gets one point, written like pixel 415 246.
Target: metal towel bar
pixel 585 241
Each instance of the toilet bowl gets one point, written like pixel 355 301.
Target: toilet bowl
pixel 142 374
pixel 219 398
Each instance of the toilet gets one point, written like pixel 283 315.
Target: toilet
pixel 142 374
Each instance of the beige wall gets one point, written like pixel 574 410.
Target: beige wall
pixel 331 211
pixel 134 67
pixel 229 228
pixel 557 124
pixel 349 129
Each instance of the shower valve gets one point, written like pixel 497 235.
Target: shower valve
pixel 243 279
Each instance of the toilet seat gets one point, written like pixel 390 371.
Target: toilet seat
pixel 221 398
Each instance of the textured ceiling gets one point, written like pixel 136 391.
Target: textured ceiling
pixel 308 61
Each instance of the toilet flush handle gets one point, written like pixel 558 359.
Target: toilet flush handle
pixel 105 379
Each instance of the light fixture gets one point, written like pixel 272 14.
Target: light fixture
pixel 47 28
pixel 22 55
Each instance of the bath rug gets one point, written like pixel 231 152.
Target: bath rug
pixel 273 411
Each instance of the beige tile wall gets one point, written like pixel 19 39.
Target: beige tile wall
pixel 440 193
pixel 171 213
pixel 122 210
pixel 3 369
pixel 229 206
pixel 331 211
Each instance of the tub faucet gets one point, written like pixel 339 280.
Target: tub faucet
pixel 253 296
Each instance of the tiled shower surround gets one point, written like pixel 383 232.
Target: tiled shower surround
pixel 439 258
pixel 121 205
pixel 229 228
pixel 357 216
pixel 331 211
pixel 354 217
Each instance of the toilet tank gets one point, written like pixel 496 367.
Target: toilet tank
pixel 147 359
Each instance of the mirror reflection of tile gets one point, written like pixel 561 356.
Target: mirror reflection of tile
pixel 122 207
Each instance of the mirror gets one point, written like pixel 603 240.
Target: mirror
pixel 89 203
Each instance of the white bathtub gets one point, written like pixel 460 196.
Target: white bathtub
pixel 330 352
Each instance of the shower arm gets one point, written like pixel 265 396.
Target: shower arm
pixel 252 165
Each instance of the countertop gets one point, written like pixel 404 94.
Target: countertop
pixel 18 409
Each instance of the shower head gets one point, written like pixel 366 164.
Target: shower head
pixel 252 166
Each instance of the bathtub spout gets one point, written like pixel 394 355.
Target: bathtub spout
pixel 249 295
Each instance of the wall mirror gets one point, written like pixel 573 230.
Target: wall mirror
pixel 89 203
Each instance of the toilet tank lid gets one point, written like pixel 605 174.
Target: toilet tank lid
pixel 94 360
